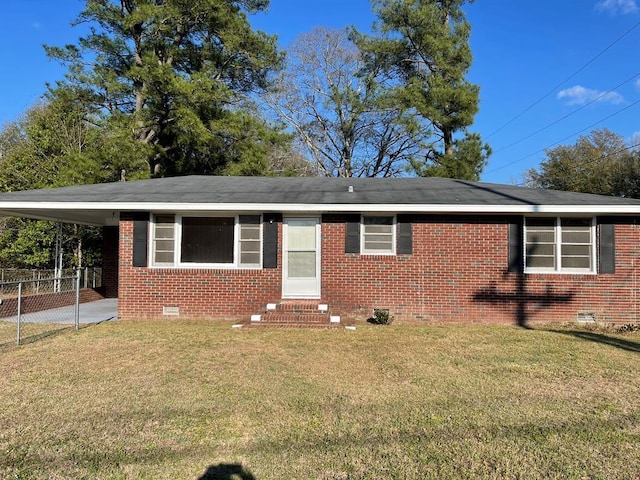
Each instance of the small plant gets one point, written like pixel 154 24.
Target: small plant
pixel 381 316
pixel 628 328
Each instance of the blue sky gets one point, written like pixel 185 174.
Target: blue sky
pixel 548 71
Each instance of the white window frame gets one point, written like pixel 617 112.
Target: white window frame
pixel 154 240
pixel 238 241
pixel 363 234
pixel 557 268
pixel 178 243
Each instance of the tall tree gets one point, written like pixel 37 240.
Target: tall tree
pixel 601 162
pixel 423 47
pixel 51 145
pixel 174 76
pixel 338 113
pixel 56 143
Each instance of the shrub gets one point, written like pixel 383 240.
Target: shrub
pixel 381 316
pixel 627 328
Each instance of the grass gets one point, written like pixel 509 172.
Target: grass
pixel 176 399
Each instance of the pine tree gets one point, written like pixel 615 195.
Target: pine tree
pixel 176 77
pixel 422 46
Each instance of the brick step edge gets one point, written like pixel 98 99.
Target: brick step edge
pixel 297 307
pixel 290 325
pixel 326 326
pixel 294 317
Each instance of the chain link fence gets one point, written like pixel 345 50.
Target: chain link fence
pixel 90 277
pixel 33 308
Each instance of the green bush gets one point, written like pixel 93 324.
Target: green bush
pixel 381 316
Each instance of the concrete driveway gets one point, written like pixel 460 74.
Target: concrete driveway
pixel 90 312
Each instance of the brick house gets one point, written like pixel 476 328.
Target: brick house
pixel 427 249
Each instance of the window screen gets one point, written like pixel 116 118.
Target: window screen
pixel 377 235
pixel 207 240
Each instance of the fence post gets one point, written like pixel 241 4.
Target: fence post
pixel 19 313
pixel 77 310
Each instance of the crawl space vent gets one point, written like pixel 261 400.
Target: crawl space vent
pixel 586 317
pixel 171 311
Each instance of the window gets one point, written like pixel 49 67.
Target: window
pixel 378 235
pixel 164 240
pixel 221 241
pixel 207 240
pixel 560 245
pixel 250 241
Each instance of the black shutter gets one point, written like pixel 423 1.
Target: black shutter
pixel 516 262
pixel 352 236
pixel 270 241
pixel 405 235
pixel 606 246
pixel 140 239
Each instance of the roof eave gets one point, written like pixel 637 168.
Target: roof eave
pixel 106 213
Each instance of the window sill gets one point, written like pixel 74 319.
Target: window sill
pixel 204 267
pixel 561 272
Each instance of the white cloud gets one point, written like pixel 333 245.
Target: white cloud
pixel 579 95
pixel 635 140
pixel 614 7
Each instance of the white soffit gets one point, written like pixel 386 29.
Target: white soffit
pixel 91 208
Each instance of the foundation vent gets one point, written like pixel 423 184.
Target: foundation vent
pixel 171 311
pixel 586 317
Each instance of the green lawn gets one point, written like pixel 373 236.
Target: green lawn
pixel 173 399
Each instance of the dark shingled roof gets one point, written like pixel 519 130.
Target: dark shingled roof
pixel 100 204
pixel 310 190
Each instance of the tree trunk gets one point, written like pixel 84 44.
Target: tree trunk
pixel 447 138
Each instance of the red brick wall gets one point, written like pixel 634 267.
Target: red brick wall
pixel 456 273
pixel 208 293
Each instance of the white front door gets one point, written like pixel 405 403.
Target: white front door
pixel 301 258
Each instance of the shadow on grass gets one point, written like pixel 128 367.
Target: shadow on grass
pixel 35 337
pixel 53 332
pixel 227 471
pixel 621 343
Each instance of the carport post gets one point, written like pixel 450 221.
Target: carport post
pixel 77 312
pixel 19 313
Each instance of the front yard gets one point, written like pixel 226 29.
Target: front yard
pixel 176 399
